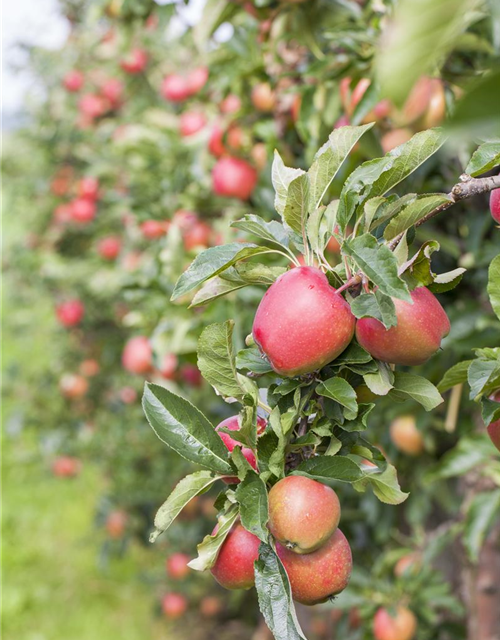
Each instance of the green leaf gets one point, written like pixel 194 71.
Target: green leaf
pixel 375 305
pixel 382 382
pixel 490 410
pixel 494 285
pixel 251 359
pixel 273 231
pixel 379 264
pixel 282 177
pixel 446 281
pixel 215 12
pixel 341 391
pixel 416 42
pixel 275 596
pixel 330 469
pixel 414 212
pixel 470 452
pixel 485 158
pixel 251 495
pixel 214 289
pixel 208 548
pixel 186 489
pixel 416 271
pixel 354 354
pixel 329 159
pixel 482 512
pixel 216 359
pixel 258 273
pixel 211 262
pixel 476 114
pixel 417 388
pixel 456 375
pixel 184 429
pixel 385 485
pixel 482 377
pixel 297 201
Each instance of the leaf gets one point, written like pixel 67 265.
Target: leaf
pixel 417 388
pixel 354 354
pixel 378 263
pixel 380 383
pixel 416 271
pixel 414 212
pixel 252 360
pixel 211 262
pixel 275 596
pixel 456 375
pixel 417 41
pixel 214 289
pixel 258 273
pixel 184 429
pixel 251 495
pixel 446 281
pixel 282 177
pixel 329 159
pixel 330 469
pixel 482 512
pixel 210 545
pixel 186 489
pixel 476 114
pixel 273 231
pixel 215 12
pixel 470 452
pixel 485 158
pixel 216 359
pixel 375 305
pixel 385 485
pixel 494 285
pixel 341 391
pixel 482 376
pixel 297 201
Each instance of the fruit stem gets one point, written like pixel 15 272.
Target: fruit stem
pixel 264 406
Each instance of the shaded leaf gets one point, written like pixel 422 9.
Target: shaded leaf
pixel 251 495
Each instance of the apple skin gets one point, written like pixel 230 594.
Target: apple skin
pixel 112 90
pixel 400 627
pixel 233 178
pixel 116 523
pixel 152 229
pixel 137 356
pixel 89 367
pixel 191 122
pixel 210 606
pixel 175 88
pixel 191 375
pixel 128 395
pixel 495 205
pixel 73 81
pixel 263 98
pixel 92 105
pixel 88 187
pixel 135 61
pixel 199 235
pixel 70 313
pixel 303 513
pixel 168 366
pixel 216 141
pixel 230 104
pixel 233 424
pixel 394 138
pixel 174 605
pixel 83 210
pixel 408 565
pixel 177 566
pixel 197 79
pixel 417 336
pixel 73 386
pixel 109 247
pixel 316 576
pixel 406 437
pixel 301 323
pixel 66 467
pixel 234 568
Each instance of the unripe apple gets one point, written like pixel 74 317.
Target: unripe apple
pixel 191 375
pixel 234 568
pixel 73 81
pixel 406 437
pixel 128 395
pixel 116 523
pixel 301 323
pixel 233 424
pixel 168 366
pixel 303 513
pixel 263 97
pixel 174 605
pixel 92 105
pixel 66 467
pixel 234 178
pixel 88 188
pixel 210 606
pixel 230 104
pixel 109 248
pixel 191 122
pixel 89 368
pixel 135 61
pixel 197 79
pixel 152 229
pixel 83 210
pixel 177 566
pixel 199 235
pixel 316 576
pixel 175 88
pixel 70 313
pixel 394 138
pixel 495 205
pixel 417 336
pixel 112 90
pixel 401 626
pixel 137 356
pixel 494 427
pixel 73 385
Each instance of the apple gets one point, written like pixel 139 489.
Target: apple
pixel 60 183
pixel 495 205
pixel 233 424
pixel 401 626
pixel 301 323
pixel 408 565
pixel 152 229
pixel 230 104
pixel 137 356
pixel 234 178
pixel 177 566
pixel 73 386
pixel 191 375
pixel 185 219
pixel 135 61
pixel 216 141
pixel 395 138
pixel 197 79
pixel 88 188
pixel 83 210
pixel 62 214
pixel 303 513
pixel 128 395
pixel 191 122
pixel 109 247
pixel 426 104
pixel 174 605
pixel 406 437
pixel 112 89
pixel 417 336
pixel 92 105
pixel 234 568
pixel 70 313
pixel 263 97
pixel 168 366
pixel 73 81
pixel 116 523
pixel 89 368
pixel 316 576
pixel 175 88
pixel 66 467
pixel 199 235
pixel 210 606
pixel 259 155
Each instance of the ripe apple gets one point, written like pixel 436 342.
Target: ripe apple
pixel 408 565
pixel 233 568
pixel 199 235
pixel 301 323
pixel 210 606
pixel 135 61
pixel 152 229
pixel 259 155
pixel 73 81
pixel 191 375
pixel 185 219
pixel 116 523
pixel 406 437
pixel 175 88
pixel 234 178
pixel 426 104
pixel 70 313
pixel 73 386
pixel 303 513
pixel 216 141
pixel 495 205
pixel 174 605
pixel 263 97
pixel 83 210
pixel 316 576
pixel 62 214
pixel 128 395
pixel 112 89
pixel 92 105
pixel 233 424
pixel 109 248
pixel 401 626
pixel 168 366
pixel 88 188
pixel 137 356
pixel 343 121
pixel 230 104
pixel 191 122
pixel 89 368
pixel 197 79
pixel 177 566
pixel 66 467
pixel 417 336
pixel 394 138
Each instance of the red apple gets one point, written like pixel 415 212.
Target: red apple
pixel 233 424
pixel 177 566
pixel 263 97
pixel 230 104
pixel 197 79
pixel 112 90
pixel 174 605
pixel 152 229
pixel 401 626
pixel 89 368
pixel 210 606
pixel 259 155
pixel 234 178
pixel 234 568
pixel 191 122
pixel 169 366
pixel 83 210
pixel 185 219
pixel 215 143
pixel 137 356
pixel 417 336
pixel 73 81
pixel 395 138
pixel 66 467
pixel 135 61
pixel 88 188
pixel 73 386
pixel 92 105
pixel 301 323
pixel 128 395
pixel 175 88
pixel 70 313
pixel 408 565
pixel 109 248
pixel 495 205
pixel 191 375
pixel 116 523
pixel 199 235
pixel 405 435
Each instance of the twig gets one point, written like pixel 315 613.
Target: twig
pixel 453 406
